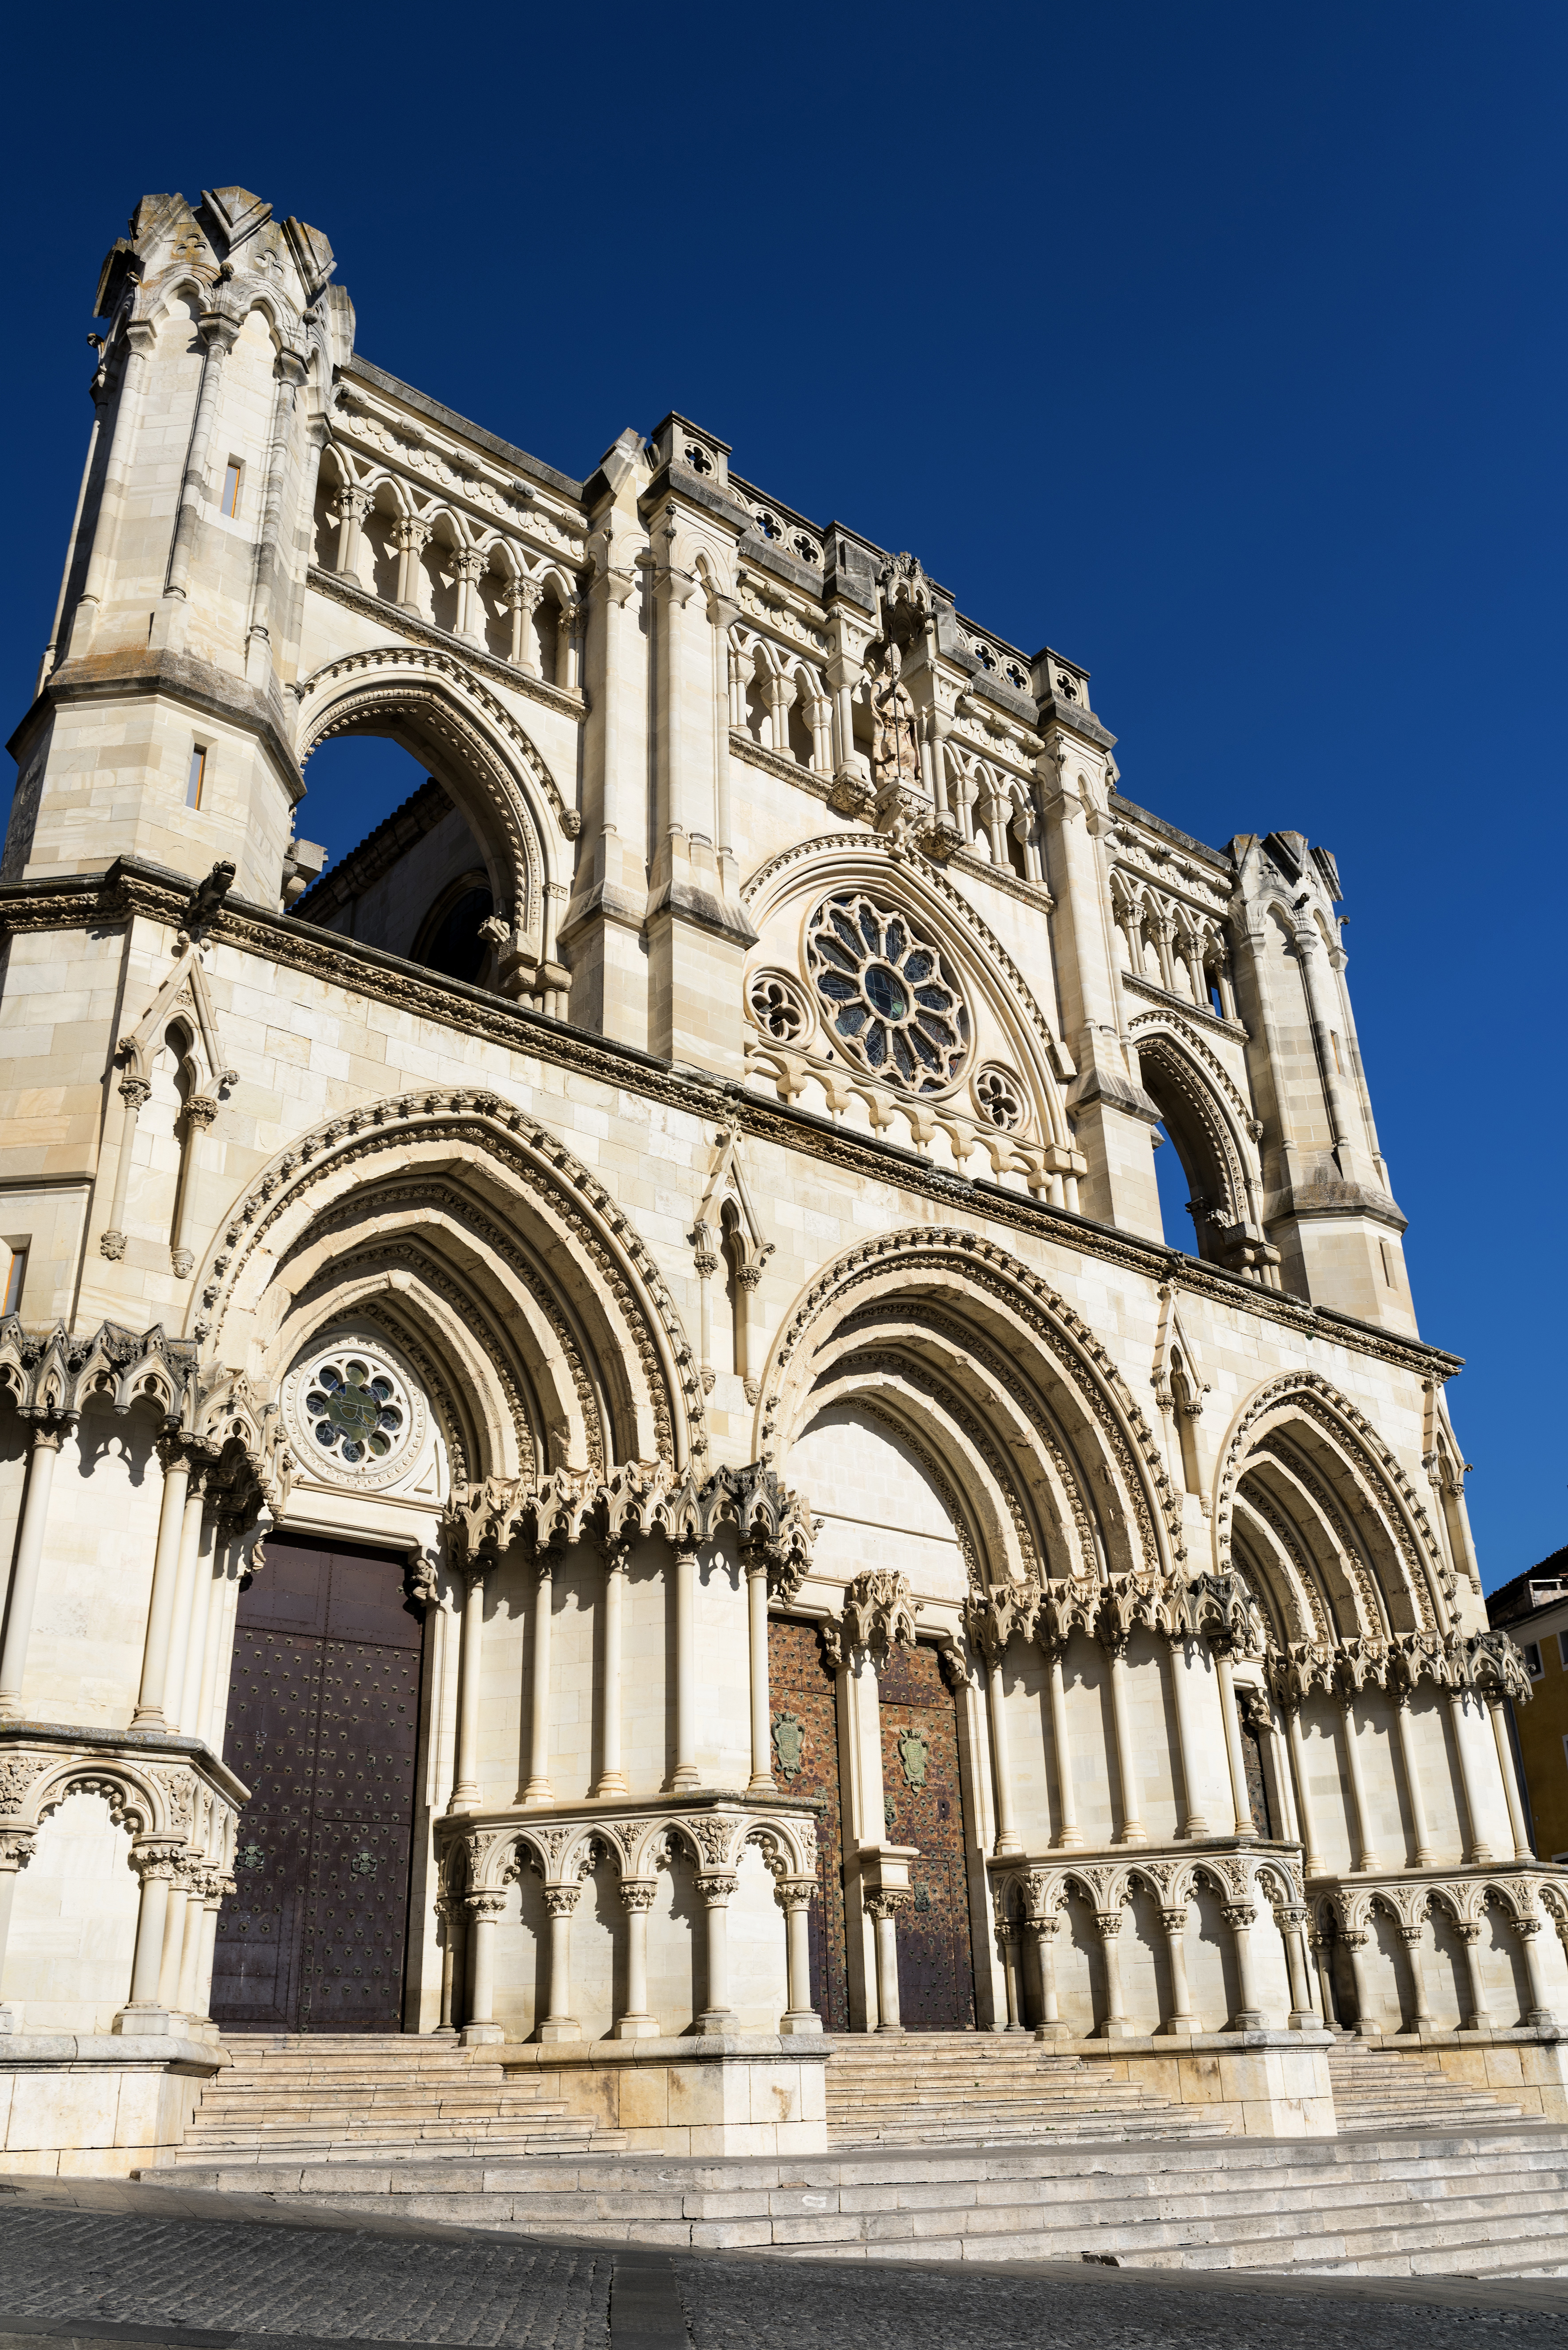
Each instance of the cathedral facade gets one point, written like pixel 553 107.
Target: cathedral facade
pixel 602 1441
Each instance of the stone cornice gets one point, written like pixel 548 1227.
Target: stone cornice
pixel 392 616
pixel 78 902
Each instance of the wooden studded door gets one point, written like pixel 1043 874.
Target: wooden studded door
pixel 924 1806
pixel 323 1727
pixel 805 1701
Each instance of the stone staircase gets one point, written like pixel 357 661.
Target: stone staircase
pixel 971 2088
pixel 1390 2088
pixel 298 2097
pixel 1491 2202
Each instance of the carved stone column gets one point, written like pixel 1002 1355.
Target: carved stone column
pixel 447 1911
pixel 135 1093
pixel 353 506
pixel 16 1846
pixel 538 1789
pixel 522 602
pixel 139 341
pixel 882 1908
pixel 1419 2017
pixel 199 1112
pixel 1241 1802
pixel 561 1901
pixel 1132 1830
pixel 1497 1707
pixel 1181 2021
pixel 1323 1957
pixel 634 2023
pixel 483 1915
pixel 1479 2017
pixel 1477 1851
pixel 1355 1940
pixel 187 1569
pixel 1528 1930
pixel 1042 1930
pixel 468 563
pixel 794 1896
pixel 1113 2024
pixel 1311 1861
pixel 1194 1822
pixel 1240 1916
pixel 685 1775
pixel 612 1778
pixel 995 1648
pixel 154 1864
pixel 42 1454
pixel 219 335
pixel 1366 1857
pixel 1007 1937
pixel 173 1951
pixel 1293 1917
pixel 1424 1853
pixel 718 2016
pixel 466 1790
pixel 1069 1837
pixel 762 1779
pixel 412 536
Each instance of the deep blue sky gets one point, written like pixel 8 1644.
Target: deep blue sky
pixel 1220 347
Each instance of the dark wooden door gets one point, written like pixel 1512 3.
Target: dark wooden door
pixel 804 1699
pixel 323 1727
pixel 924 1806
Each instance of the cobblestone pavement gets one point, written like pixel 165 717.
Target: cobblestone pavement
pixel 90 2267
pixel 738 2305
pixel 130 2270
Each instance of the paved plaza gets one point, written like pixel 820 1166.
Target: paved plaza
pixel 96 2264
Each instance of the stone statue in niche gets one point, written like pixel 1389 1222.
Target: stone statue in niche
pixel 895 749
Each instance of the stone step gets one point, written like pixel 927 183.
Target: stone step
pixel 1460 2204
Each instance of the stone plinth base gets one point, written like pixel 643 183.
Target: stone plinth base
pixel 1527 2066
pixel 717 2094
pixel 1255 2083
pixel 98 2105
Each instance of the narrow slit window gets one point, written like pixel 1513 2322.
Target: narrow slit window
pixel 1334 1039
pixel 1387 1266
pixel 231 472
pixel 196 781
pixel 16 1275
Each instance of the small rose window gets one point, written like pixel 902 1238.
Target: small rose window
pixel 355 1409
pixel 890 1000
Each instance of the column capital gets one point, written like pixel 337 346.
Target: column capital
pixel 716 1889
pixel 1108 1924
pixel 561 1900
pixel 794 1892
pixel 885 1903
pixel 636 1892
pixel 484 1907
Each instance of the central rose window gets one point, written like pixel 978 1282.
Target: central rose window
pixel 888 995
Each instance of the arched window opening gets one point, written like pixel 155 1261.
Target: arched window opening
pixel 1193 1192
pixel 1017 855
pixel 450 939
pixel 403 870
